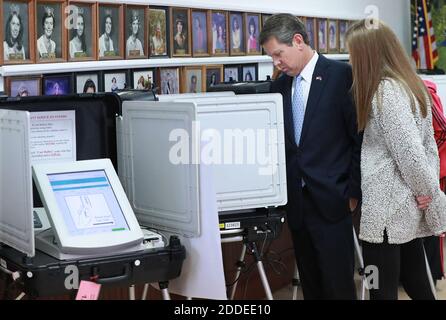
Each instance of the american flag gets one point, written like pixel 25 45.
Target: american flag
pixel 424 46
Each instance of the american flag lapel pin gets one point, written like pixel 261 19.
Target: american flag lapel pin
pixel 318 78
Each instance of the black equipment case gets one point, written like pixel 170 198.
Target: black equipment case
pixel 248 87
pixel 43 275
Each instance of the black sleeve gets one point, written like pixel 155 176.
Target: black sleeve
pixel 349 111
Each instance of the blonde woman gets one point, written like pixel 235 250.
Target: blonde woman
pixel 402 200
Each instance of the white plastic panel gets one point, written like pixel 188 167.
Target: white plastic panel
pixel 163 194
pixel 16 211
pixel 172 97
pixel 254 176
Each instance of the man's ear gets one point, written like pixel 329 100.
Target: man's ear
pixel 298 40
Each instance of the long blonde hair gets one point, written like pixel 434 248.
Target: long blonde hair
pixel 376 54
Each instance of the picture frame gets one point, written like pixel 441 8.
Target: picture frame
pixel 180 36
pixel 57 84
pixel 23 86
pixel 265 17
pixel 51 34
pixel 159 31
pixel 310 27
pixel 237 44
pixel 252 32
pixel 322 36
pixel 136 32
pixel 192 80
pixel 200 34
pixel 87 82
pixel 169 79
pixel 20 48
pixel 110 34
pixel 250 72
pixel 333 36
pixel 113 81
pixel 219 33
pixel 144 79
pixel 232 72
pixel 82 30
pixel 343 27
pixel 213 75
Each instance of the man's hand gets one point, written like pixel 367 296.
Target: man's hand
pixel 423 202
pixel 353 203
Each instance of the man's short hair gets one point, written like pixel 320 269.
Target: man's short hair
pixel 283 27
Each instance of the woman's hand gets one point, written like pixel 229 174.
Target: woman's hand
pixel 423 202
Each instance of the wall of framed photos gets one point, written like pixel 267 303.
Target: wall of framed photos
pixel 112 40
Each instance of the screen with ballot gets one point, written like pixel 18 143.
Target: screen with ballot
pixel 87 202
pixel 87 207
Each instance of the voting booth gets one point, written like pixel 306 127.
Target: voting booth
pixel 186 131
pixel 162 145
pixel 87 221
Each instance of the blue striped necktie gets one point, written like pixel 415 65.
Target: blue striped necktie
pixel 298 108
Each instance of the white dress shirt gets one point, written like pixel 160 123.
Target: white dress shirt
pixel 307 76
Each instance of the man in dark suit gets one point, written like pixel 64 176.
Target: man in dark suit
pixel 323 153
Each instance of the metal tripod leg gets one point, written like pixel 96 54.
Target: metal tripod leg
pixel 132 292
pixel 163 287
pixel 295 282
pixel 253 247
pixel 361 264
pixel 429 275
pixel 144 292
pixel 239 271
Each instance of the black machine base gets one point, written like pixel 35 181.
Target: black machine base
pixel 261 224
pixel 44 276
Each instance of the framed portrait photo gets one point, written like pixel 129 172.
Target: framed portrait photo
pixel 110 28
pixel 23 86
pixel 113 81
pixel 136 32
pixel 232 73
pixel 169 80
pixel 237 34
pixel 219 33
pixel 310 27
pixel 333 36
pixel 343 27
pixel 214 75
pixel 17 18
pixel 57 84
pixel 143 79
pixel 322 37
pixel 87 82
pixel 159 31
pixel 180 39
pixel 192 80
pixel 82 32
pixel 252 30
pixel 249 72
pixel 200 35
pixel 51 37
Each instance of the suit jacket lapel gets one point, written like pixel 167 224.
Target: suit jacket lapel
pixel 320 78
pixel 288 112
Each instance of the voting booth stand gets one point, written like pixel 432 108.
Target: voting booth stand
pixel 41 131
pixel 192 130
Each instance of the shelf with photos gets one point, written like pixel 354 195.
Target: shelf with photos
pixel 163 80
pixel 46 36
